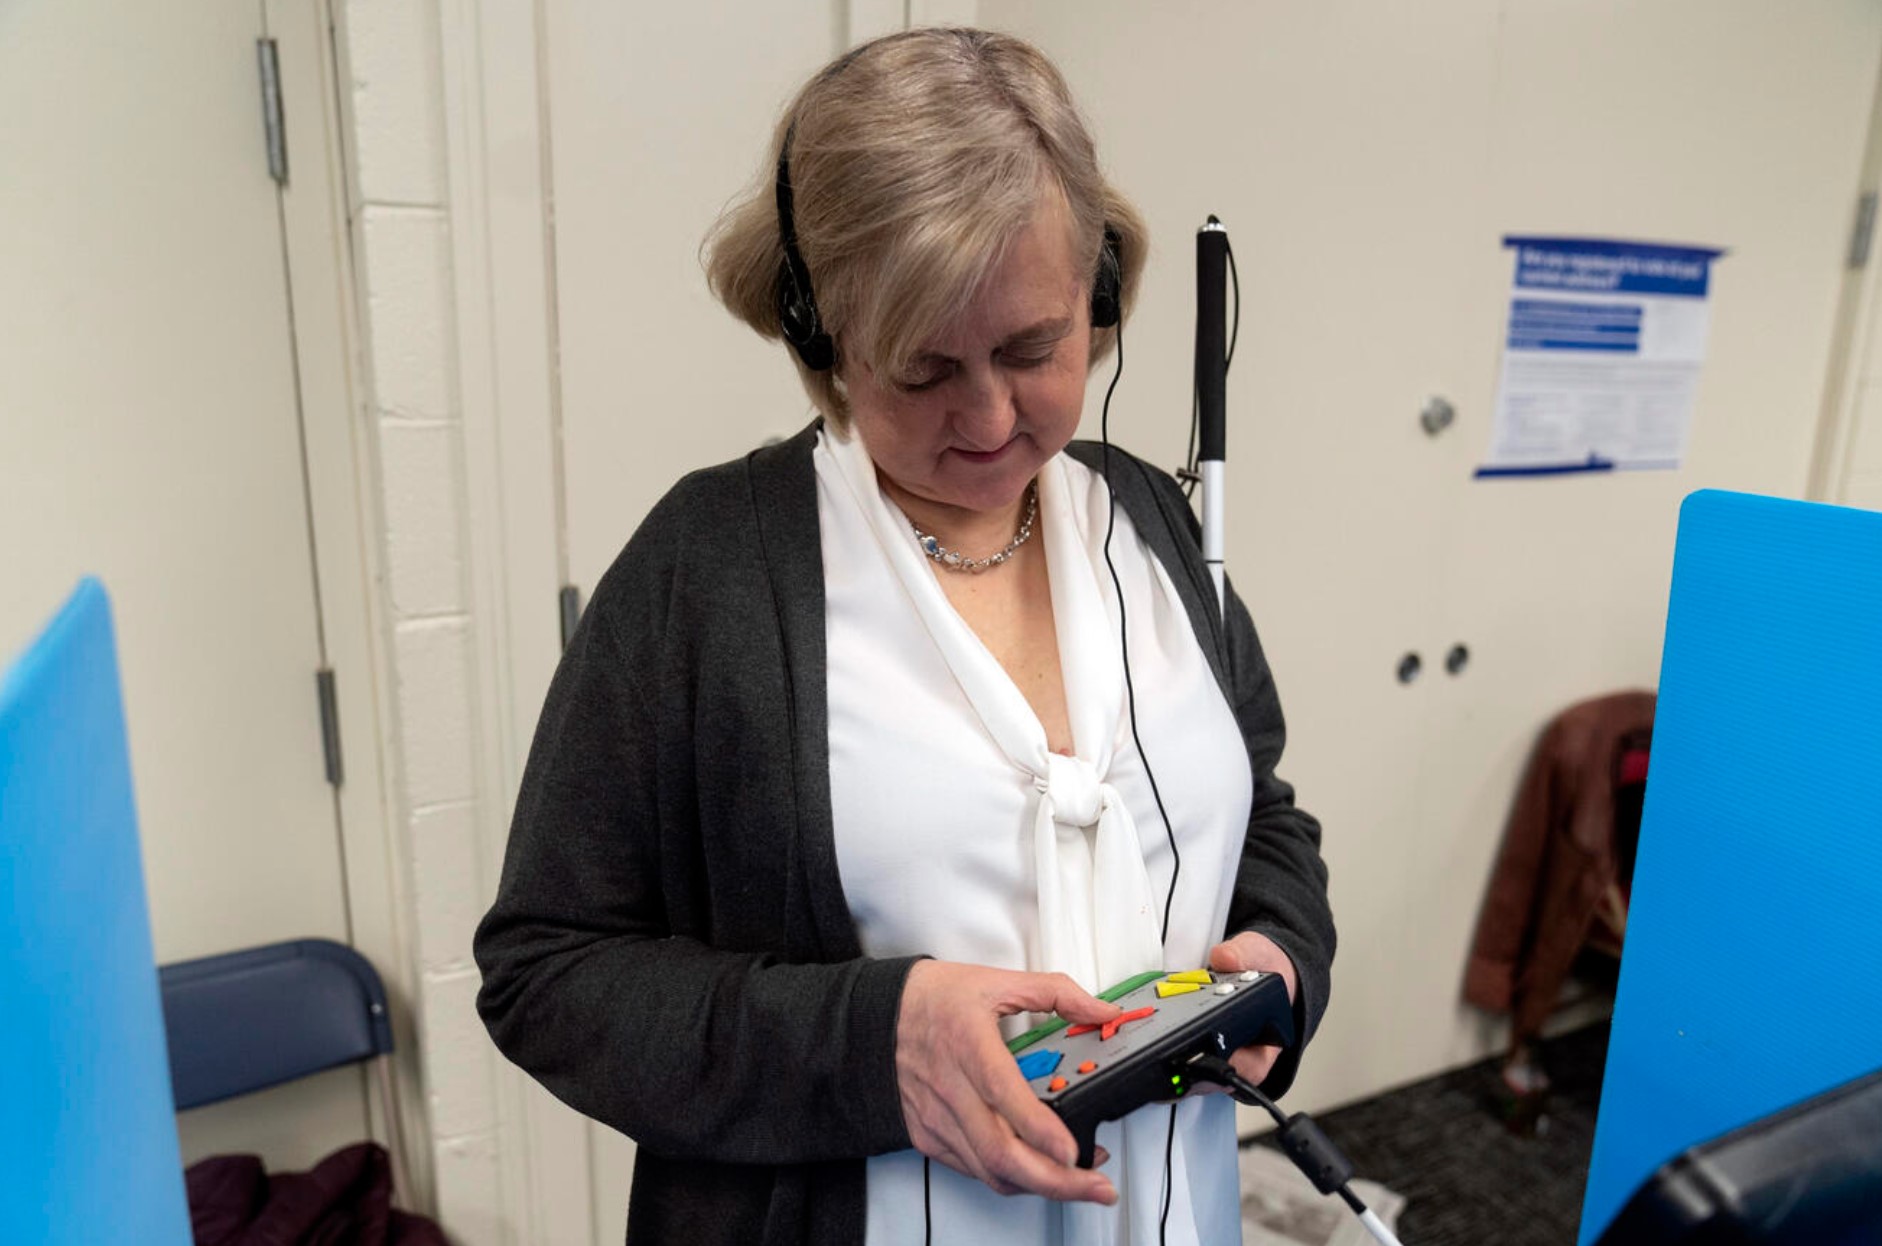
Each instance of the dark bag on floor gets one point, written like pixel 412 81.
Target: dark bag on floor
pixel 346 1200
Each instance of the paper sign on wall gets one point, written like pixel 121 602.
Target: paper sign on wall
pixel 1601 356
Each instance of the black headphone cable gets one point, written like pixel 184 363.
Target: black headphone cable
pixel 1130 701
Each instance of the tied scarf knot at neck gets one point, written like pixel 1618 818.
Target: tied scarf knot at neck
pixel 1071 784
pixel 1097 920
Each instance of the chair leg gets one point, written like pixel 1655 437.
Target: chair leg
pixel 395 1132
pixel 1523 1088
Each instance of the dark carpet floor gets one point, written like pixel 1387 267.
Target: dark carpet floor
pixel 1467 1179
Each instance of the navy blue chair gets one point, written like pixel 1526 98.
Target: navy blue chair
pixel 248 1020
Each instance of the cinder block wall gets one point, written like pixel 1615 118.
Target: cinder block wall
pixel 401 225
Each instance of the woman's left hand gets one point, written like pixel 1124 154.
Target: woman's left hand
pixel 1249 950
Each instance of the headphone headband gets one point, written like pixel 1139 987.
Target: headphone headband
pixel 802 326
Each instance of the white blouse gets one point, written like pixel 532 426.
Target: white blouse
pixel 961 836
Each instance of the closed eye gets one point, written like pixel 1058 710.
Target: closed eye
pixel 1033 346
pixel 1027 359
pixel 927 377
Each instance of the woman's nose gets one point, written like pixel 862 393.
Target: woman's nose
pixel 987 411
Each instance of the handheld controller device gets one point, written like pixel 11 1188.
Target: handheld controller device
pixel 1090 1074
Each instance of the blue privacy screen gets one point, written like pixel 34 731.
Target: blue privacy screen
pixel 1752 976
pixel 88 1141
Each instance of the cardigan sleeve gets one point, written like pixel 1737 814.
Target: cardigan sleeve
pixel 1281 885
pixel 600 976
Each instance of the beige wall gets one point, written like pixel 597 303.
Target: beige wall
pixel 1862 478
pixel 1851 449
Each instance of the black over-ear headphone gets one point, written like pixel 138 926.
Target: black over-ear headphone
pixel 797 305
pixel 1107 286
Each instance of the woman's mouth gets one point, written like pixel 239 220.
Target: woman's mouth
pixel 986 456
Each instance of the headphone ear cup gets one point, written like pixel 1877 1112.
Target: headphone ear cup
pixel 818 354
pixel 800 324
pixel 1107 293
pixel 1105 312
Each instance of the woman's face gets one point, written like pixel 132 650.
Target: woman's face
pixel 996 394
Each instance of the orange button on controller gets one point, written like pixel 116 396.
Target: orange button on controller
pixel 1109 1029
pixel 1057 1083
pixel 1088 1066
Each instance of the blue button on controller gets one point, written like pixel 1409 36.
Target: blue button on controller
pixel 1036 1064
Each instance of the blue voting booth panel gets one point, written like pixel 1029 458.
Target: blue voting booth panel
pixel 88 1143
pixel 1753 969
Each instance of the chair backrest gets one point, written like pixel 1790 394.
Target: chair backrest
pixel 256 1018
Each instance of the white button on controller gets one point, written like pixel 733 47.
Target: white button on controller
pixel 1227 988
pixel 1247 975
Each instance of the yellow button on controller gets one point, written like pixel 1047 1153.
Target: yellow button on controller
pixel 1198 976
pixel 1167 989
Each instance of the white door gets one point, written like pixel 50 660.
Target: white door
pixel 149 434
pixel 1332 141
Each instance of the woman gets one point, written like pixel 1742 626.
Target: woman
pixel 839 774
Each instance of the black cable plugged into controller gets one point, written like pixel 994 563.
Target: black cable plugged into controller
pixel 1301 1138
pixel 1090 1074
pixel 1175 1032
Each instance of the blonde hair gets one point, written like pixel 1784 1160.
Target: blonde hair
pixel 914 160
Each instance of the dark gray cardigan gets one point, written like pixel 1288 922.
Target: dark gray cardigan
pixel 670 951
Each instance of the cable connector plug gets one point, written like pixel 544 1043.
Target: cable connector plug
pixel 1301 1137
pixel 1315 1155
pixel 1311 1150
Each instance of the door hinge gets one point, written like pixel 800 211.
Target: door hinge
pixel 269 58
pixel 330 724
pixel 569 600
pixel 1859 237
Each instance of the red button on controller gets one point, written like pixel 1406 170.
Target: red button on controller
pixel 1109 1029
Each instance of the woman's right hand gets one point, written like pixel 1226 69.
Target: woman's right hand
pixel 963 1098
